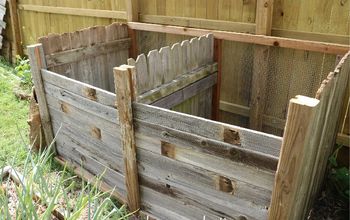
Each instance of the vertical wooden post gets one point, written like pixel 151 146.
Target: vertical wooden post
pixel 37 62
pixel 295 166
pixel 264 11
pixel 126 94
pixel 217 87
pixel 132 14
pixel 15 27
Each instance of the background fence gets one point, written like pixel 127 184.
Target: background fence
pixel 291 72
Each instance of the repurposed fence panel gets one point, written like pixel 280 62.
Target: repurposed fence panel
pixel 163 72
pixel 88 55
pixel 307 144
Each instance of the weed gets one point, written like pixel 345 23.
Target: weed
pixel 22 70
pixel 339 176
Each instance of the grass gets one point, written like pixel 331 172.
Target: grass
pixel 13 118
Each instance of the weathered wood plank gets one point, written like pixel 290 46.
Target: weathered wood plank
pixel 198 187
pixel 187 92
pixel 176 84
pixel 89 146
pixel 246 139
pixel 82 89
pixel 37 62
pixel 75 55
pixel 68 151
pixel 206 145
pixel 246 182
pixel 103 111
pixel 126 95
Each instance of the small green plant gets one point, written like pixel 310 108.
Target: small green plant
pixel 339 176
pixel 64 193
pixel 22 70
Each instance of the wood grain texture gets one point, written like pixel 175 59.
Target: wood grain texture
pixel 124 88
pixel 294 157
pixel 37 62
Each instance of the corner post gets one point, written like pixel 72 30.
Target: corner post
pixel 38 62
pixel 298 153
pixel 126 94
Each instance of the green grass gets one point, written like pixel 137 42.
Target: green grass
pixel 13 119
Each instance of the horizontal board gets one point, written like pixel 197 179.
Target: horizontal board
pixel 69 152
pixel 74 55
pixel 190 155
pixel 74 11
pixel 176 84
pixel 187 92
pixel 244 139
pixel 82 89
pixel 109 155
pixel 197 187
pixel 65 96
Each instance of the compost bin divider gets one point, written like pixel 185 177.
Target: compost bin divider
pixel 38 62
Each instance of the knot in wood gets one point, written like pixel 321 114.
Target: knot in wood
pixel 165 134
pixel 266 4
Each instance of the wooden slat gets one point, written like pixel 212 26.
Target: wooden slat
pixel 15 26
pixel 316 46
pixel 132 10
pixel 65 96
pixel 91 178
pixel 124 86
pixel 82 89
pixel 199 188
pixel 177 84
pixel 187 92
pixel 199 23
pixel 210 130
pixel 74 11
pixel 200 159
pixel 37 62
pixel 71 56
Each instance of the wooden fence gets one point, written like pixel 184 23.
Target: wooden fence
pixel 167 164
pixel 309 32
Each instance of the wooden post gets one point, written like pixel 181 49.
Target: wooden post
pixel 37 62
pixel 126 94
pixel 132 15
pixel 264 14
pixel 217 87
pixel 295 166
pixel 15 27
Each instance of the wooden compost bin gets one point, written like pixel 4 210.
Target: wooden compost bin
pixel 167 164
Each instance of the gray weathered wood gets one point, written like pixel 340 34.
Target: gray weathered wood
pixel 165 63
pixel 82 89
pixel 124 86
pixel 206 145
pixel 115 180
pixel 176 84
pixel 85 104
pixel 195 176
pixel 89 146
pixel 209 129
pixel 187 92
pixel 154 68
pixel 37 62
